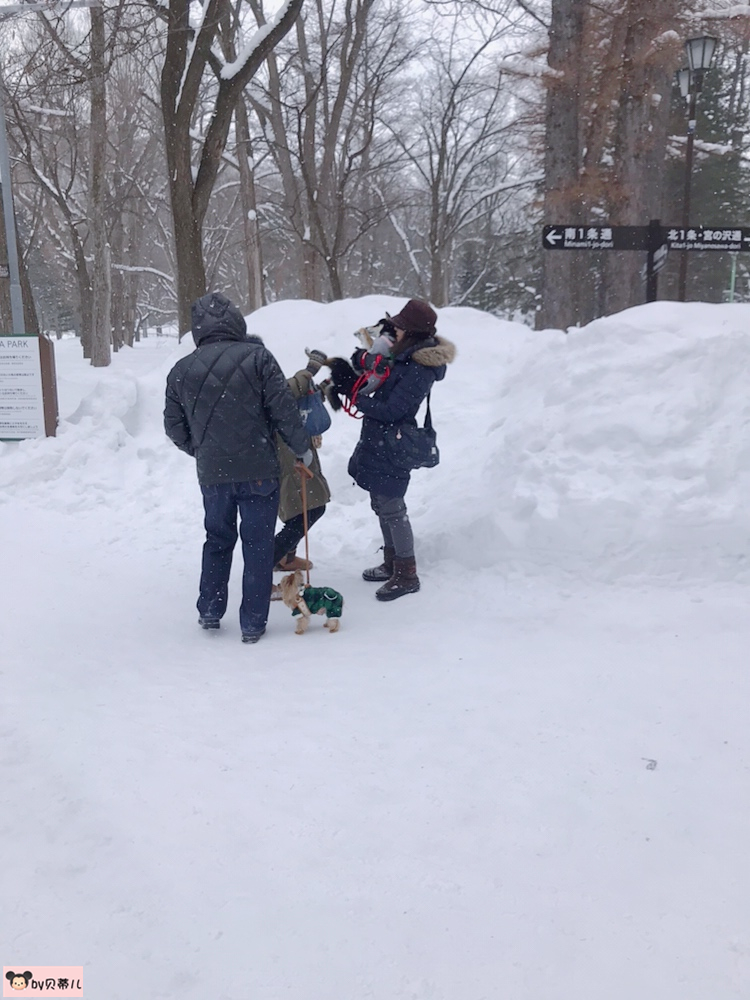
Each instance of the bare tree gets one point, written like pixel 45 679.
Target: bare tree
pixel 190 57
pixel 320 116
pixel 92 63
pixel 245 165
pixel 71 162
pixel 45 114
pixel 50 134
pixel 456 140
pixel 136 199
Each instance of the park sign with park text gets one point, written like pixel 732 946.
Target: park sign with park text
pixel 21 397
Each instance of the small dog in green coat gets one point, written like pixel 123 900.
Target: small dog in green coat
pixel 306 601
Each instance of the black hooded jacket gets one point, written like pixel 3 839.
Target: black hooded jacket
pixel 225 400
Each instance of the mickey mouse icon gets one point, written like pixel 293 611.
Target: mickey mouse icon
pixel 18 980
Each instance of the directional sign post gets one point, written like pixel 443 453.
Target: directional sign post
pixel 654 247
pixel 595 237
pixel 606 237
pixel 656 239
pixel 732 238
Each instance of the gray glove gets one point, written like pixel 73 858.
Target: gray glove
pixel 317 359
pixel 307 458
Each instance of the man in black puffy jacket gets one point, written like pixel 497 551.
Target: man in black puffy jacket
pixel 224 403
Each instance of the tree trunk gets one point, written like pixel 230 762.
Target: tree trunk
pixel 117 304
pixel 30 318
pixel 307 141
pixel 281 153
pixel 186 59
pixel 562 160
pixel 85 292
pixel 640 144
pixel 439 253
pixel 6 314
pixel 130 318
pixel 255 292
pixel 188 228
pixel 101 331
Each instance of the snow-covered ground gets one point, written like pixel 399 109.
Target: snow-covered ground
pixel 529 781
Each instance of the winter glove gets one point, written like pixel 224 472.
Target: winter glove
pixel 317 359
pixel 343 375
pixel 303 471
pixel 306 459
pixel 329 394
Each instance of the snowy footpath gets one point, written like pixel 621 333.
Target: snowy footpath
pixel 530 781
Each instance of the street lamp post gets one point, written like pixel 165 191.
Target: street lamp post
pixel 700 53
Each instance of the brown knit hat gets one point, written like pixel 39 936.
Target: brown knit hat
pixel 416 317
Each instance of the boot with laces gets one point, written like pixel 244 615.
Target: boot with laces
pixel 379 574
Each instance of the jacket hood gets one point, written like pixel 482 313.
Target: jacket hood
pixel 436 353
pixel 215 317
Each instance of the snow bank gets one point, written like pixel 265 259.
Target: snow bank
pixel 625 447
pixel 618 449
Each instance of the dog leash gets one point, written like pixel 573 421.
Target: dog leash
pixel 305 473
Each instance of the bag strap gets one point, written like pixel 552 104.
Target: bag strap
pixel 428 415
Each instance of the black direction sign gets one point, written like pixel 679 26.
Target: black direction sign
pixel 732 239
pixel 603 237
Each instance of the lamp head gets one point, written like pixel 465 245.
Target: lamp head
pixel 700 52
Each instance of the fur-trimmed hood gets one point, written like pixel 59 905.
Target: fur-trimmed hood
pixel 435 354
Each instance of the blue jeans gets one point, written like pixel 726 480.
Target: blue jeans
pixel 257 503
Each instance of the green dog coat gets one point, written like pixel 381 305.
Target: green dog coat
pixel 321 599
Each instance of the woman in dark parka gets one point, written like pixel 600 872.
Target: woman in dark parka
pixel 419 358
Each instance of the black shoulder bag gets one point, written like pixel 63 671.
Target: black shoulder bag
pixel 411 446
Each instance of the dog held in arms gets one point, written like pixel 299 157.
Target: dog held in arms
pixel 306 601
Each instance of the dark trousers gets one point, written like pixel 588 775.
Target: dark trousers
pixel 257 503
pixel 293 532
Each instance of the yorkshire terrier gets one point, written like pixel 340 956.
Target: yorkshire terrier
pixel 306 601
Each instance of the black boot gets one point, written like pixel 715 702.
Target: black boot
pixel 383 572
pixel 403 581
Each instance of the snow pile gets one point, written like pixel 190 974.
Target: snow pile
pixel 621 448
pixel 626 445
pixel 499 786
